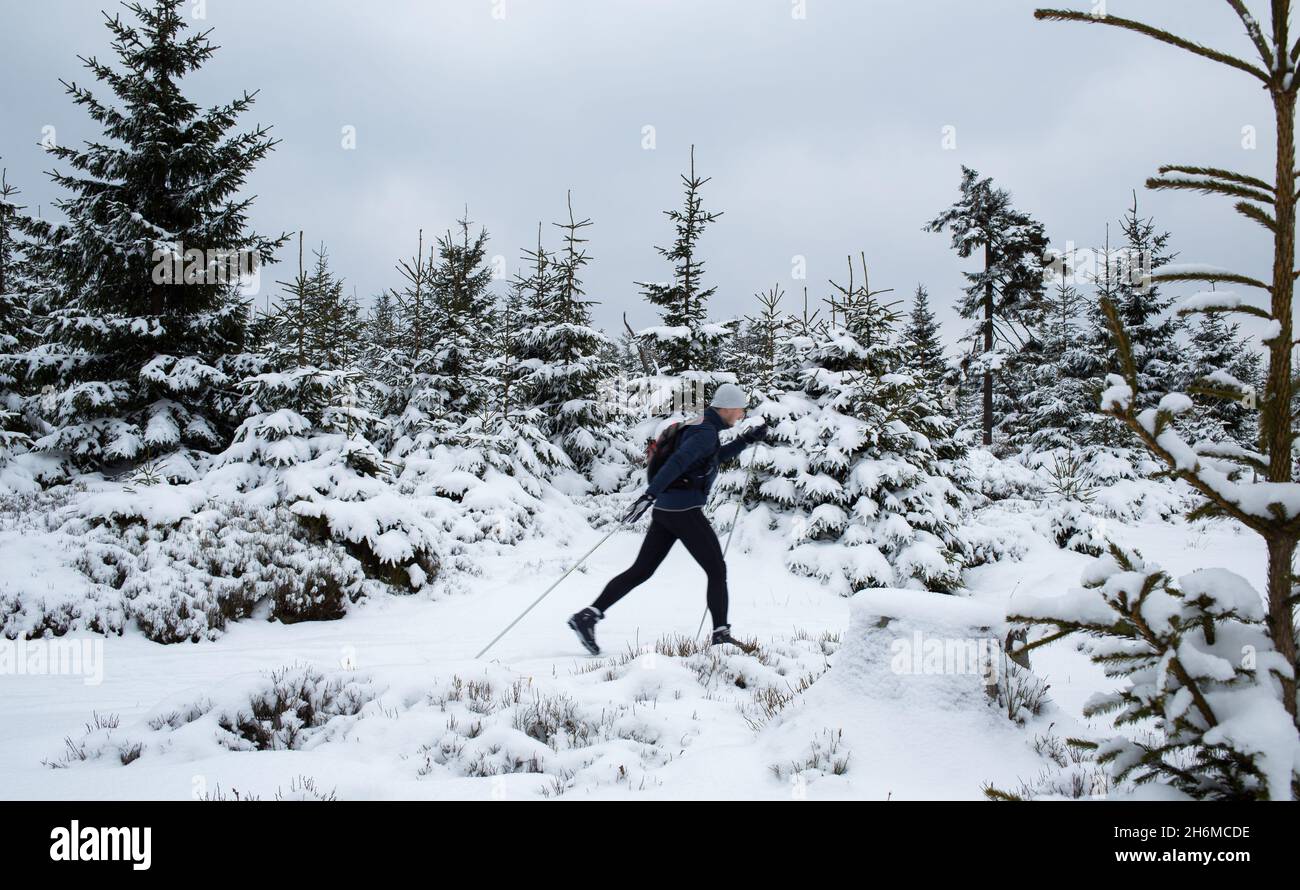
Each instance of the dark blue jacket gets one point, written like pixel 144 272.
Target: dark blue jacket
pixel 698 456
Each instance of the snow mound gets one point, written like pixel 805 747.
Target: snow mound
pixel 916 722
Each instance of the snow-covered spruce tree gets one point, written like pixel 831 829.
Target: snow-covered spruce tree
pixel 1192 656
pixel 507 433
pixel 466 440
pixel 760 355
pixel 1098 432
pixel 688 346
pixel 305 442
pixel 626 353
pixel 130 352
pixel 1004 296
pixel 1219 352
pixel 1270 506
pixel 15 326
pixel 569 364
pixel 414 334
pixel 921 336
pixel 778 348
pixel 1145 311
pixel 871 507
pixel 1062 393
pixel 381 363
pixel 450 319
pixel 923 358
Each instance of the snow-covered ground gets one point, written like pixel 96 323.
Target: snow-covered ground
pixel 407 712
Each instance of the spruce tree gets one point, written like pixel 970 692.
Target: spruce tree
pixel 306 443
pixel 15 323
pixel 770 359
pixel 760 353
pixel 461 318
pixel 1255 494
pixel 581 419
pixel 1144 310
pixel 872 506
pixel 1221 358
pixel 132 355
pixel 310 383
pixel 468 435
pixel 411 398
pixel 381 363
pixel 1061 404
pixel 924 350
pixel 1005 295
pixel 687 343
pixel 1099 430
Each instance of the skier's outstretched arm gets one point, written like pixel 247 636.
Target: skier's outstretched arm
pixel 732 449
pixel 690 450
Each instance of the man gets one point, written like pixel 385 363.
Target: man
pixel 679 491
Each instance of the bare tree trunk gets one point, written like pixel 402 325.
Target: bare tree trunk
pixel 1277 407
pixel 640 350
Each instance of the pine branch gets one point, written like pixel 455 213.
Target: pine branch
pixel 1069 15
pixel 1244 309
pixel 1216 392
pixel 1124 348
pixel 1210 186
pixel 1211 276
pixel 1250 211
pixel 1253 31
pixel 1220 173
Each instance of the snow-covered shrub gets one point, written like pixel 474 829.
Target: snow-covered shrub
pixel 1199 663
pixel 96 741
pixel 1072 773
pixel 824 757
pixel 339 486
pixel 1125 486
pixel 183 574
pixel 984 543
pixel 491 478
pixel 290 708
pixel 997 479
pixel 515 727
pixel 1017 691
pixel 291 705
pixel 41 594
pixel 1073 527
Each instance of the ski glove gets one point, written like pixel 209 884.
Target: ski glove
pixel 638 509
pixel 755 434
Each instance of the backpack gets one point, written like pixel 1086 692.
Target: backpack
pixel 662 448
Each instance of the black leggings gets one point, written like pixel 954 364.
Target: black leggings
pixel 693 530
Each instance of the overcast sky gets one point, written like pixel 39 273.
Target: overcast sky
pixel 823 134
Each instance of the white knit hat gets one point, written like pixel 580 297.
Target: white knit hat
pixel 728 395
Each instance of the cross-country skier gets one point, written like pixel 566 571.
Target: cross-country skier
pixel 678 492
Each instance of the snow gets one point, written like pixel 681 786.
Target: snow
pixel 1208 300
pixel 647 723
pixel 912 735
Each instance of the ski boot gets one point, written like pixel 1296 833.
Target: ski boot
pixel 722 635
pixel 584 625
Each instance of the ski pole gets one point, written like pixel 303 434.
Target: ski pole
pixel 616 527
pixel 734 519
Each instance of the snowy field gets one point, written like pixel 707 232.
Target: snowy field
pixel 403 710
